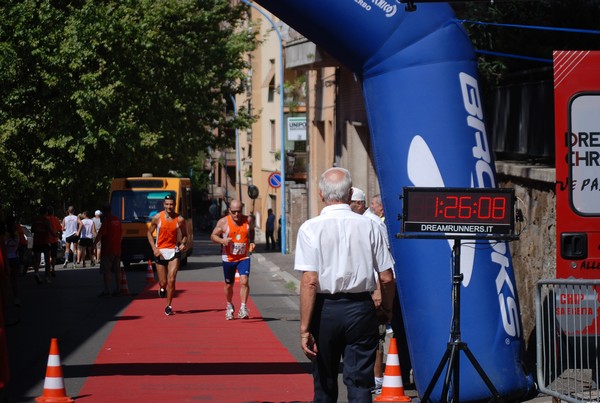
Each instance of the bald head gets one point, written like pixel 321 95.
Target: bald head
pixel 235 210
pixel 335 186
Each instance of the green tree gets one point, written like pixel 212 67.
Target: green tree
pixel 94 90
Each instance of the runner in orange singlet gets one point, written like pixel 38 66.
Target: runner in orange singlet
pixel 171 236
pixel 235 232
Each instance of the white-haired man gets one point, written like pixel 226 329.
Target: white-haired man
pixel 339 253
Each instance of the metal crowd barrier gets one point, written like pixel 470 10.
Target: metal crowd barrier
pixel 568 339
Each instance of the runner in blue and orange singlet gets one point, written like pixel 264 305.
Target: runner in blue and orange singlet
pixel 171 237
pixel 235 232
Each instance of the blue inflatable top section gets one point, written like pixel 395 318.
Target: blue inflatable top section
pixel 427 126
pixel 362 35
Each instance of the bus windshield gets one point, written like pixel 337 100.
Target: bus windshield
pixel 138 205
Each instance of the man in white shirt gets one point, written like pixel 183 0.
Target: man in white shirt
pixel 339 253
pixel 71 227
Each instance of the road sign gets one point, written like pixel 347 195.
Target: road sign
pixel 275 180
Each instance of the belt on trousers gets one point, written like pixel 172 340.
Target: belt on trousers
pixel 359 296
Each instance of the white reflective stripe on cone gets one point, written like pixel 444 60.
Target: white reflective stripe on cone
pixel 392 381
pixel 393 360
pixel 54 361
pixel 53 383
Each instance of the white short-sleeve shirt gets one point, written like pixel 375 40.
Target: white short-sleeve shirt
pixel 70 224
pixel 380 224
pixel 344 248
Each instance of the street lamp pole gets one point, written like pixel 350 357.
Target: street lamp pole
pixel 237 152
pixel 281 123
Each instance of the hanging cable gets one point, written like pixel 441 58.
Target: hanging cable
pixel 520 26
pixel 511 55
pixel 538 27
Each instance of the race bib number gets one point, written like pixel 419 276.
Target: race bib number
pixel 238 249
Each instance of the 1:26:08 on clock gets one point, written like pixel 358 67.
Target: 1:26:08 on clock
pixel 458 210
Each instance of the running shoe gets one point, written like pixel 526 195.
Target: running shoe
pixel 243 313
pixel 66 262
pixel 162 293
pixel 168 310
pixel 229 312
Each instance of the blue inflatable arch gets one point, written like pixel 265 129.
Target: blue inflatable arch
pixel 425 115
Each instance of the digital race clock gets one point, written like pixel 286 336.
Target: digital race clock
pixel 458 210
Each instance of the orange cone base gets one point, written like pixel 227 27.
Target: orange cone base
pixel 56 399
pixel 381 398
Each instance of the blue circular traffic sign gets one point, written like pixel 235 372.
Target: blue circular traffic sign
pixel 275 180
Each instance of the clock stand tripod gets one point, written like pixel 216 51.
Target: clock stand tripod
pixel 451 357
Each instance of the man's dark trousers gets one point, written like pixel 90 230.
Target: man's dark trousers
pixel 344 325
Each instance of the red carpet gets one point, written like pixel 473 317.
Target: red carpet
pixel 195 355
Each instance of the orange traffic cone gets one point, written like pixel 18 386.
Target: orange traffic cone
pixel 54 385
pixel 124 286
pixel 393 389
pixel 237 276
pixel 150 273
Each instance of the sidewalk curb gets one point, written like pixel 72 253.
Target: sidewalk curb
pixel 273 268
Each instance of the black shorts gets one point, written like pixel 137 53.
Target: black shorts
pixel 165 262
pixel 72 238
pixel 85 242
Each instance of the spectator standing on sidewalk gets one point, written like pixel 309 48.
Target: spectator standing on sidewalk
pixel 98 224
pixel 171 238
pixel 377 207
pixel 12 242
pixel 71 226
pixel 338 253
pixel 110 235
pixel 235 233
pixel 270 230
pixel 397 323
pixel 41 245
pixel 358 205
pixel 55 234
pixel 22 245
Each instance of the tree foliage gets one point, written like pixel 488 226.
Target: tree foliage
pixel 91 90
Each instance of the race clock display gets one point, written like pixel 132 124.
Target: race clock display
pixel 458 210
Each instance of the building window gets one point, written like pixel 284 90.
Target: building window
pixel 270 81
pixel 273 135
